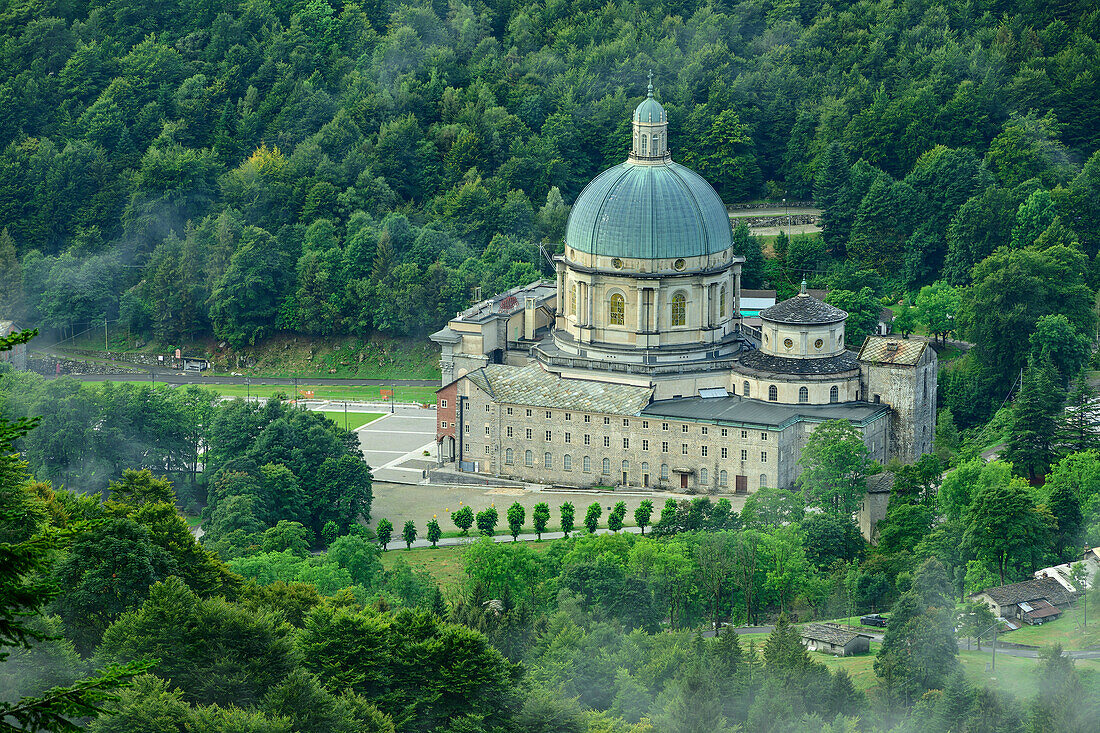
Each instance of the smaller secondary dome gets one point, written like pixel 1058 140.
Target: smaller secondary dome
pixel 650 110
pixel 802 310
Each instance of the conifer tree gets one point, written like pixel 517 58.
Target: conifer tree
pixel 1076 431
pixel 832 193
pixel 1030 444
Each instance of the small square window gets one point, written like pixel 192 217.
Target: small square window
pixel 683 428
pixel 588 418
pixel 703 451
pixel 588 440
pixel 626 423
pixel 744 455
pixel 467 447
pixel 606 441
pixel 568 438
pixel 486 429
pixel 549 414
pixel 509 410
pixel 548 436
pixel 528 413
pixel 443 424
pixel 466 428
pixel 486 450
pixel 486 408
pixel 527 433
pixel 724 455
pixel 443 403
pixel 683 449
pixel 763 456
pixel 725 432
pixel 703 430
pixel 607 421
pixel 626 443
pixel 763 436
pixel 508 430
pixel 568 416
pixel 744 434
pixel 645 445
pixel 664 426
pixel 664 447
pixel 645 424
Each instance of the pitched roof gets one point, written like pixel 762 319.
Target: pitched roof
pixel 830 634
pixel 880 483
pixel 532 386
pixel 892 350
pixel 1047 589
pixel 739 410
pixel 758 360
pixel 803 309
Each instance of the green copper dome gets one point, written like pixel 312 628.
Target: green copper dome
pixel 647 211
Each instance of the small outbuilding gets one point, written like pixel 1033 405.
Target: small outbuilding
pixel 834 640
pixel 16 356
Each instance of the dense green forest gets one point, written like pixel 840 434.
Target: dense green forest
pixel 240 168
pixel 254 628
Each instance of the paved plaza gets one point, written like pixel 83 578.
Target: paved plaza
pixel 394 444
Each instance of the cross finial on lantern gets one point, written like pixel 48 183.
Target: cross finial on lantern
pixel 650 93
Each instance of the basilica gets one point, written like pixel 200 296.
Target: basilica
pixel 636 367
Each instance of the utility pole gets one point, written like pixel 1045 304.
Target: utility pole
pixel 247 389
pixel 105 332
pixel 345 415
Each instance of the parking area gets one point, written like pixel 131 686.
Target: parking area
pixel 394 445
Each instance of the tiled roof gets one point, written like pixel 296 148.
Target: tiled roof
pixel 880 483
pixel 829 634
pixel 532 386
pixel 758 360
pixel 741 411
pixel 1047 589
pixel 803 309
pixel 892 350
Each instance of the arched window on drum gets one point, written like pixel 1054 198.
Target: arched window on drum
pixel 617 310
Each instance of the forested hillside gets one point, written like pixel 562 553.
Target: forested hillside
pixel 241 167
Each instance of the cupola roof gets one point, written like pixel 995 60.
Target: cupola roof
pixel 803 309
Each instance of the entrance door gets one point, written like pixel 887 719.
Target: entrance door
pixel 683 480
pixel 741 484
pixel 624 478
pixel 645 480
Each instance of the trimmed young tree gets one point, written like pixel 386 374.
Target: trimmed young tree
pixel 408 533
pixel 615 518
pixel 592 517
pixel 541 517
pixel 384 530
pixel 643 514
pixel 835 463
pixel 434 531
pixel 463 519
pixel 516 515
pixel 568 513
pixel 487 521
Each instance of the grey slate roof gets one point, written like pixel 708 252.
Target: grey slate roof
pixel 892 350
pixel 842 362
pixel 1047 589
pixel 532 386
pixel 828 634
pixel 880 483
pixel 739 410
pixel 803 309
pixel 649 212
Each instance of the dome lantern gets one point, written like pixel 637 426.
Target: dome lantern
pixel 650 129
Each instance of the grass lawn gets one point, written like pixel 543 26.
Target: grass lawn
pixel 1065 630
pixel 328 392
pixel 353 419
pixel 1015 675
pixel 444 564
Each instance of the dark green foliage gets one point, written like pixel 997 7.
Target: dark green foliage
pixel 384 532
pixel 408 533
pixel 1030 445
pixel 592 516
pixel 434 531
pixel 643 514
pixel 487 521
pixel 516 514
pixel 615 516
pixel 567 515
pixel 463 519
pixel 829 537
pixel 540 515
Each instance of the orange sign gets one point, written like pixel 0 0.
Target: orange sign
pixel 386 394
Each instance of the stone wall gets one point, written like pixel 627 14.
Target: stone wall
pixel 910 391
